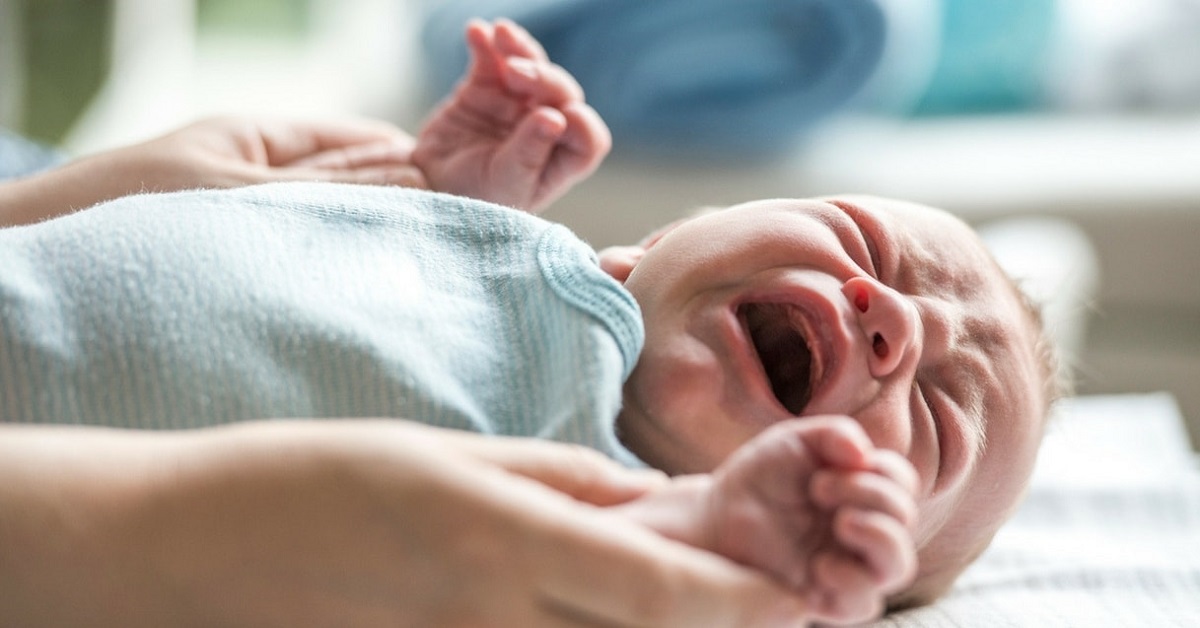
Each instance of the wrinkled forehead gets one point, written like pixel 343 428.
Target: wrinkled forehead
pixel 940 251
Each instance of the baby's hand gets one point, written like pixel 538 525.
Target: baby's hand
pixel 516 130
pixel 816 505
pixel 873 554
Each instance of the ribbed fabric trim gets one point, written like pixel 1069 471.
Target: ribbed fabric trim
pixel 571 269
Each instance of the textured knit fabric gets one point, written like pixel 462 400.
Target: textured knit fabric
pixel 313 300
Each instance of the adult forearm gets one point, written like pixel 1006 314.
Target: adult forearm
pixel 24 201
pixel 63 190
pixel 253 525
pixel 61 491
pixel 347 523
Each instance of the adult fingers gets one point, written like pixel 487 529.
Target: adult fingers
pixel 286 142
pixel 577 471
pixel 593 563
pixel 359 156
pixel 400 175
pixel 638 578
pixel 397 175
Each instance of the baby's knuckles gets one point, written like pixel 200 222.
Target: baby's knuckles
pixel 845 591
pixel 836 440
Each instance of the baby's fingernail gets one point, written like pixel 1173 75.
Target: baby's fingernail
pixel 522 67
pixel 858 520
pixel 548 131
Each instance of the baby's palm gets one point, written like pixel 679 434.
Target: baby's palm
pixel 467 149
pixel 763 515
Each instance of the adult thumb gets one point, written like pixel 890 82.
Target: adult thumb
pixel 584 474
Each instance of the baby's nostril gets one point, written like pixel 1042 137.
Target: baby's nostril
pixel 862 301
pixel 880 346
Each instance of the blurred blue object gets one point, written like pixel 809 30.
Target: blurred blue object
pixel 994 56
pixel 705 78
pixel 20 157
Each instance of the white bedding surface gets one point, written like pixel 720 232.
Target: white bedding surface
pixel 1109 535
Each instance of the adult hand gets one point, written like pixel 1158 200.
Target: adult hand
pixel 219 153
pixel 355 523
pixel 516 131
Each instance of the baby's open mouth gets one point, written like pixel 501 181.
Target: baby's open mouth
pixel 777 332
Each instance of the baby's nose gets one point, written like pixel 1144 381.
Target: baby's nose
pixel 888 321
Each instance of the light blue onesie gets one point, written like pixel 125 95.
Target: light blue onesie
pixel 313 300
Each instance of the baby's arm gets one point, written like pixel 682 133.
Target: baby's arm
pixel 810 502
pixel 516 130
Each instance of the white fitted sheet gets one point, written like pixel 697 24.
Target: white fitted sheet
pixel 1109 535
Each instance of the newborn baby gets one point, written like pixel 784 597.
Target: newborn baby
pixel 838 386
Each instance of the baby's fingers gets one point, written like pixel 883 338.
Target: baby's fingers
pixel 844 590
pixel 542 82
pixel 521 163
pixel 895 467
pixel 582 147
pixel 838 441
pixel 881 542
pixel 865 491
pixel 511 39
pixel 485 59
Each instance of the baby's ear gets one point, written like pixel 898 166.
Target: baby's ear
pixel 619 261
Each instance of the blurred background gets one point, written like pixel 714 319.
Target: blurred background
pixel 1085 113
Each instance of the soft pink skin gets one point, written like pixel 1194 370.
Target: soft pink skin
pixel 516 131
pixel 810 502
pixel 863 270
